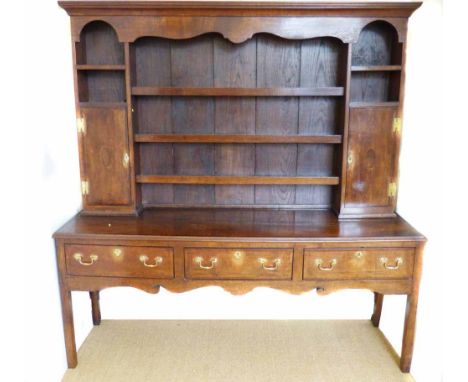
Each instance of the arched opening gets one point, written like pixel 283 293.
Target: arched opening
pixel 99 45
pixel 100 60
pixel 376 64
pixel 377 45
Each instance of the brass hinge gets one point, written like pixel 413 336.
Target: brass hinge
pixel 392 189
pixel 81 125
pixel 397 125
pixel 84 187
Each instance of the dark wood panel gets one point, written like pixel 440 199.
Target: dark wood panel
pixel 99 45
pixel 319 116
pixel 194 194
pixel 278 64
pixel 315 160
pixel 193 159
pixel 192 62
pixel 234 66
pixel 192 65
pixel 375 86
pixel 162 194
pixel 153 115
pixel 152 62
pixel 157 159
pixel 101 86
pixel 103 147
pixel 234 160
pixel 375 45
pixel 371 152
pixel 322 64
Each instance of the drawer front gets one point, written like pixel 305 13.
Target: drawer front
pixel 359 263
pixel 238 263
pixel 119 261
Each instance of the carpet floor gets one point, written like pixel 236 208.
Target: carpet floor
pixel 228 351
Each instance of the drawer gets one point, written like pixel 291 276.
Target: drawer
pixel 238 263
pixel 358 263
pixel 119 261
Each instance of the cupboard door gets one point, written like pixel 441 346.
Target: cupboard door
pixel 371 162
pixel 105 161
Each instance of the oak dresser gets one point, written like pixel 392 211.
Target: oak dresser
pixel 239 144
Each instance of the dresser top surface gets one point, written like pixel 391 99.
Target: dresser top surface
pixel 230 223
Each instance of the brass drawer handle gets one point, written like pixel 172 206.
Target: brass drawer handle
pixel 276 263
pixel 79 257
pixel 398 262
pixel 199 260
pixel 157 261
pixel 319 263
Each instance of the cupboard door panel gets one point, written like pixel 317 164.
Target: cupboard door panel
pixel 371 164
pixel 104 146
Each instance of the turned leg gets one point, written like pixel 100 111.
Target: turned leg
pixel 378 302
pixel 68 328
pixel 95 309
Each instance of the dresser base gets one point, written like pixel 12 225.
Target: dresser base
pixel 313 251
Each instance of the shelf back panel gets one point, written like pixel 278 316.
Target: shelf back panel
pixel 210 61
pixel 99 45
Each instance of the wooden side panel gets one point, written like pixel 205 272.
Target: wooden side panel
pixel 371 165
pixel 103 148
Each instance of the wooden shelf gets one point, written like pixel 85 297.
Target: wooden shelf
pixel 157 138
pixel 236 180
pixel 100 67
pixel 376 68
pixel 103 104
pixel 236 92
pixel 373 104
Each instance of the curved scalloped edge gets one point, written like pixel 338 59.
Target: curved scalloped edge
pixel 241 287
pixel 237 30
